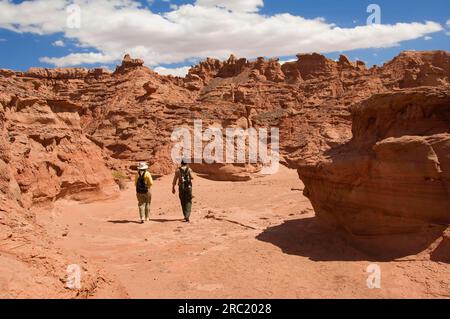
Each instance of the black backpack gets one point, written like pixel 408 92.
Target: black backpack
pixel 185 179
pixel 141 186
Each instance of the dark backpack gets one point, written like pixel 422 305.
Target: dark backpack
pixel 141 186
pixel 185 179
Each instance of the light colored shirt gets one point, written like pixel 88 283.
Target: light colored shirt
pixel 147 178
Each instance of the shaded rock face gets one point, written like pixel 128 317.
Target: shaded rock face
pixel 393 177
pixel 441 251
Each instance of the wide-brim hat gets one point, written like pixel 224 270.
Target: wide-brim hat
pixel 142 166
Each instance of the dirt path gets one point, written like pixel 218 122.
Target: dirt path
pixel 257 239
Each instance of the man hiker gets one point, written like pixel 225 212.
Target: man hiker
pixel 143 182
pixel 183 176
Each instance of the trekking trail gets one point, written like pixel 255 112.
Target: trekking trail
pixel 256 239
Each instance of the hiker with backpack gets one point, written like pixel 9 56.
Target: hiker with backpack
pixel 143 182
pixel 183 176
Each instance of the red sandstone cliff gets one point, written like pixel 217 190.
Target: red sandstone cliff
pixel 53 120
pixel 64 131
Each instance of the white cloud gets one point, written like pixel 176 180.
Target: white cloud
pixel 40 17
pixel 75 59
pixel 182 71
pixel 59 43
pixel 286 61
pixel 2 40
pixel 233 5
pixel 213 28
pixel 428 38
pixel 448 23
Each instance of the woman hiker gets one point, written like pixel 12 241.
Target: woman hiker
pixel 183 176
pixel 143 182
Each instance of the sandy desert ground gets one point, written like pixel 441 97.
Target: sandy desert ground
pixel 257 239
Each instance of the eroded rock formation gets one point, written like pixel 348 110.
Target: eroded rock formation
pixel 119 118
pixel 393 177
pixel 127 116
pixel 64 132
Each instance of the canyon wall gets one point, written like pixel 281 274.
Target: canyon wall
pixel 44 156
pixel 65 132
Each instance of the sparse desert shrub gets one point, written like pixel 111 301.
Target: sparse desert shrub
pixel 121 179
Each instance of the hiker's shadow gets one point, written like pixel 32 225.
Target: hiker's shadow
pixel 162 220
pixel 310 238
pixel 155 220
pixel 123 222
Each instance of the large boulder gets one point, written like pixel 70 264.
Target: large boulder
pixel 393 177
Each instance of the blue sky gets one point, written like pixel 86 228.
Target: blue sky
pixel 33 35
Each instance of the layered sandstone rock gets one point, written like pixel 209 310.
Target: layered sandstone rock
pixel 131 113
pixel 393 177
pixel 412 69
pixel 48 155
pixel 44 156
pixel 128 63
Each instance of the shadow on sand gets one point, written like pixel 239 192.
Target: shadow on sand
pixel 166 220
pixel 123 222
pixel 151 220
pixel 310 238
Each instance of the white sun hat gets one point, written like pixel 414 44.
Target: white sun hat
pixel 142 166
